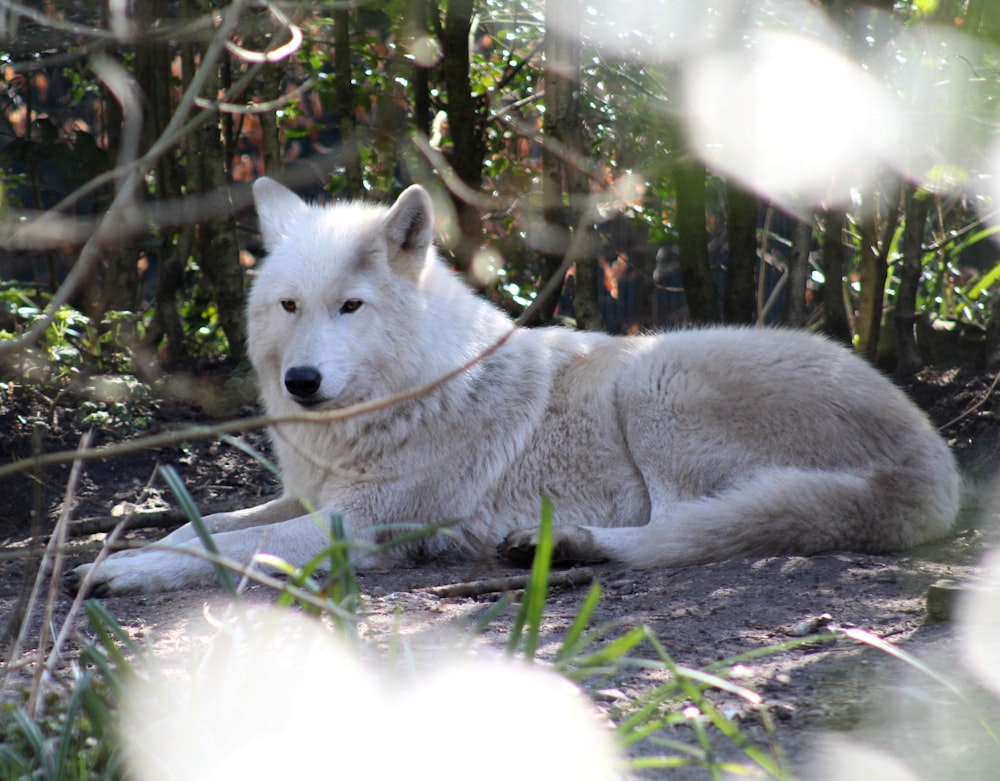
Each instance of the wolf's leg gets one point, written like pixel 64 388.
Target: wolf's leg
pixel 166 564
pixel 783 511
pixel 775 511
pixel 284 508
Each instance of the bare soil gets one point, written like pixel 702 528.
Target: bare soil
pixel 701 615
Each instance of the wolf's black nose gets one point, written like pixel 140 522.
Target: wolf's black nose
pixel 303 381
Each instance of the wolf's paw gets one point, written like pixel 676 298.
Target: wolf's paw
pixel 113 577
pixel 73 580
pixel 518 547
pixel 132 572
pixel 570 545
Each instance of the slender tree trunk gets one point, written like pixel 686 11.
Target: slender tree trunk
pixel 216 246
pixel 269 92
pixel 696 272
pixel 173 247
pixel 556 215
pixel 834 262
pixel 585 302
pixel 916 207
pixel 465 123
pixel 270 137
pixel 563 127
pixel 874 272
pixel 798 274
pixel 871 278
pixel 993 336
pixel 120 277
pixel 418 22
pixel 740 300
pixel 349 152
pixel 643 260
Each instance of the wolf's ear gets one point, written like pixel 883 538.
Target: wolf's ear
pixel 409 230
pixel 278 209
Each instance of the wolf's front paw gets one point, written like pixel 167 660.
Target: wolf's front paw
pixel 570 545
pixel 112 577
pixel 138 572
pixel 518 547
pixel 73 580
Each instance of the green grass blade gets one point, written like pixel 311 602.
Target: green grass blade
pixel 31 732
pixel 572 642
pixel 192 513
pixel 528 621
pixel 863 636
pixel 480 625
pixel 615 651
pixel 65 748
pixel 985 282
pixel 110 634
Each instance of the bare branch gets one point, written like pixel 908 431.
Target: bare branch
pixel 279 52
pixel 123 214
pixel 475 588
pixel 249 424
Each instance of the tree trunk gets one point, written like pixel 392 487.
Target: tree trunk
pixel 561 159
pixel 465 124
pixel 740 301
pixel 216 246
pixel 418 28
pixel 993 336
pixel 834 262
pixel 696 272
pixel 874 272
pixel 173 248
pixel 798 274
pixel 916 207
pixel 349 151
pixel 270 138
pixel 118 288
pixel 871 278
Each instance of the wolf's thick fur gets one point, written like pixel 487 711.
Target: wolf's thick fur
pixel 655 450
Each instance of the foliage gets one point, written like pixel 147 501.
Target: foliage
pixel 71 343
pixel 76 738
pixel 635 114
pixel 682 722
pixel 78 357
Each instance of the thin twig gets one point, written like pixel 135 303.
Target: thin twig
pixel 53 553
pixel 149 519
pixel 122 209
pixel 475 588
pixel 249 424
pixel 974 407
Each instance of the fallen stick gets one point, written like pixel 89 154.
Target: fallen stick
pixel 570 577
pixel 150 519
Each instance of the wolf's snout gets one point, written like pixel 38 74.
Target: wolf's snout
pixel 303 381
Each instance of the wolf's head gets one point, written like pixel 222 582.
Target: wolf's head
pixel 338 292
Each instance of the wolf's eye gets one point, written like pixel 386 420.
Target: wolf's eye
pixel 288 305
pixel 350 305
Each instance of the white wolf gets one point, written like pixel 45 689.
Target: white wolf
pixel 655 451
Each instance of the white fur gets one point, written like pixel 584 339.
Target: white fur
pixel 655 450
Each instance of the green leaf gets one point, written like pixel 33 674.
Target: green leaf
pixel 192 513
pixel 572 641
pixel 985 282
pixel 528 621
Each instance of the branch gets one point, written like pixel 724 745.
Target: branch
pixel 248 424
pixel 122 210
pixel 475 588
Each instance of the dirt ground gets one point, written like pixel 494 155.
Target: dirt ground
pixel 701 615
